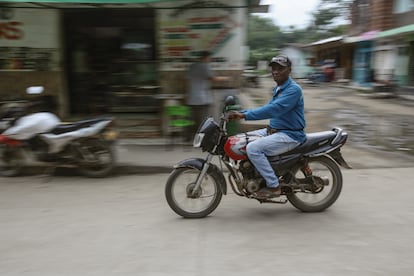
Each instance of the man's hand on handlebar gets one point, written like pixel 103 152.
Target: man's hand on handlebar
pixel 235 115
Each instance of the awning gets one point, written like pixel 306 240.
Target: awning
pixel 253 5
pixel 367 36
pixel 397 31
pixel 327 40
pixel 373 35
pixel 88 1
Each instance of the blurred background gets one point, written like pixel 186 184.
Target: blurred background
pixel 128 58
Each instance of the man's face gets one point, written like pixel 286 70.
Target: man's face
pixel 206 59
pixel 280 73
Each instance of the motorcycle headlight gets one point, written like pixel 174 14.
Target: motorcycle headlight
pixel 207 136
pixel 198 139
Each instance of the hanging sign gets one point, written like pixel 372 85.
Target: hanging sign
pixel 185 32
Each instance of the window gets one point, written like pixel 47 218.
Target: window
pixel 402 6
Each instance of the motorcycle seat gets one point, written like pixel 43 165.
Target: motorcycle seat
pixel 64 128
pixel 313 141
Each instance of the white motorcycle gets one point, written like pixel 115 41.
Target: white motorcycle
pixel 41 136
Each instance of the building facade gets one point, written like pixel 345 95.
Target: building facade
pixel 117 56
pixel 378 47
pixel 382 32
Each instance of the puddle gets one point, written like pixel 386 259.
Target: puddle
pixel 388 133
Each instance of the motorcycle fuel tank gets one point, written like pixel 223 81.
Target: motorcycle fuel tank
pixel 235 146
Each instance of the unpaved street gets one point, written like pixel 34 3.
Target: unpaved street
pixel 123 226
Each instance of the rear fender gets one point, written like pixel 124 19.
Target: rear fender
pixel 337 156
pixel 9 141
pixel 198 163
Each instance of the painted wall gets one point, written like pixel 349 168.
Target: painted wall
pixel 30 54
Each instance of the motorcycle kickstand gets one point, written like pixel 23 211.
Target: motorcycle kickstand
pixel 48 173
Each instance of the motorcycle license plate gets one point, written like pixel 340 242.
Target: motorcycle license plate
pixel 110 135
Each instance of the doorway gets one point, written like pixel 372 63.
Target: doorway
pixel 109 54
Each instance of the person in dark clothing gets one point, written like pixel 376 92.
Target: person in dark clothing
pixel 199 76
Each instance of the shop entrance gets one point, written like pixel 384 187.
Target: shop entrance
pixel 110 57
pixel 411 65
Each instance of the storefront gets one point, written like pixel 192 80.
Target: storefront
pixel 396 54
pixel 111 60
pixel 102 57
pixel 363 59
pixel 331 53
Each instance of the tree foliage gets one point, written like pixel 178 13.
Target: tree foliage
pixel 265 39
pixel 327 13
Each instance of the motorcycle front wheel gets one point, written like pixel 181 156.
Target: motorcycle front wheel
pixel 186 203
pixel 97 158
pixel 12 160
pixel 320 190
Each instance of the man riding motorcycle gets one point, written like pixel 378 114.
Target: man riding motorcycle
pixel 287 123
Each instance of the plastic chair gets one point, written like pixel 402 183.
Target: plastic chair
pixel 179 120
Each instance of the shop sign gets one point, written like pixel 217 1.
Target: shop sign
pixel 184 32
pixel 28 39
pixel 35 28
pixel 9 28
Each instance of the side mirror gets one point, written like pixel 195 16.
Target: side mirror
pixel 34 90
pixel 230 100
pixel 230 103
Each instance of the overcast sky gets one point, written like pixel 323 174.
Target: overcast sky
pixel 285 13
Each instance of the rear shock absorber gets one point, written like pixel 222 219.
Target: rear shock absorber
pixel 306 170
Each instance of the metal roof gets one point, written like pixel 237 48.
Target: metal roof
pixel 397 31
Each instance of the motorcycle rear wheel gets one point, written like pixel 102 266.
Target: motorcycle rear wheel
pixel 179 188
pixel 327 180
pixel 12 160
pixel 97 158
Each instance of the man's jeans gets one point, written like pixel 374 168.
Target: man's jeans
pixel 269 145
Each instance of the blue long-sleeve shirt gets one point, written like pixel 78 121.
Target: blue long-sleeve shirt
pixel 285 111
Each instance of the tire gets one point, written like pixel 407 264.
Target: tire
pixel 179 186
pixel 97 158
pixel 328 179
pixel 12 160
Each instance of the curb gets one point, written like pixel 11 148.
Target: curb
pixel 119 170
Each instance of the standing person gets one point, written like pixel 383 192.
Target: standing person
pixel 199 98
pixel 287 122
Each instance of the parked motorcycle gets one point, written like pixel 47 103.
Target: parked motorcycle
pixel 309 175
pixel 42 137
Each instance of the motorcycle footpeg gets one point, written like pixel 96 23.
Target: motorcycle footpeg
pixel 268 200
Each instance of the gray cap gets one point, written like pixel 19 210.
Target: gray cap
pixel 281 60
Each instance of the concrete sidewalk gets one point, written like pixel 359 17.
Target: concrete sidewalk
pixel 141 156
pixel 151 156
pixel 157 155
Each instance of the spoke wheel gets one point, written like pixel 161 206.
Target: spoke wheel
pixel 11 160
pixel 321 190
pixel 181 197
pixel 98 158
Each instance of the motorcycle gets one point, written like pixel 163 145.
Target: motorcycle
pixel 42 137
pixel 309 175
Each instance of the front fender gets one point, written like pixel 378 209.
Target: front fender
pixel 213 170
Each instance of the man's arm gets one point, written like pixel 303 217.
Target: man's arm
pixel 277 107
